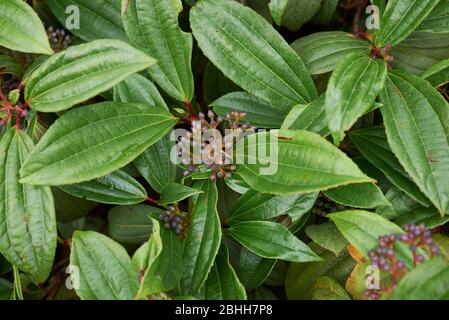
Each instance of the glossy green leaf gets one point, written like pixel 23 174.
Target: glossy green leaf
pixel 27 214
pixel 437 21
pixel 8 65
pixel 430 217
pixel 299 161
pixel 426 282
pixel 352 90
pixel 373 145
pixel 97 19
pixel 362 228
pixel 152 26
pixel 420 51
pixel 155 164
pixel 103 268
pixel 139 89
pixel 215 84
pixel 164 269
pixel 326 288
pixel 93 141
pixel 271 240
pixel 301 277
pixel 117 187
pixel 299 12
pixel 322 51
pixel 203 238
pixel 311 117
pixel 326 13
pixel 131 224
pixel 252 269
pixel 327 236
pixel 21 29
pixel 82 72
pixel 259 206
pixel 438 74
pixel 364 196
pixel 416 122
pixel 222 282
pixel 259 113
pixel 277 9
pixel 251 53
pixel 401 18
pixel 175 192
pixel 69 208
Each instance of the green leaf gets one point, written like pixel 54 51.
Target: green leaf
pixel 103 268
pixel 427 216
pixel 327 236
pixel 155 164
pixel 139 89
pixel 69 208
pixel 117 187
pixel 131 224
pixel 215 84
pixel 364 196
pixel 373 145
pixel 311 117
pixel 326 12
pixel 97 19
pixel 426 282
pixel 362 228
pixel 420 51
pixel 152 26
pixel 401 18
pixel 299 12
pixel 90 142
pixel 438 74
pixel 352 90
pixel 27 214
pixel 271 240
pixel 416 122
pixel 247 49
pixel 252 269
pixel 301 277
pixel 326 288
pixel 21 29
pixel 259 206
pixel 259 113
pixel 203 238
pixel 277 9
pixel 222 282
pixel 8 65
pixel 82 72
pixel 289 168
pixel 164 269
pixel 175 192
pixel 437 21
pixel 322 51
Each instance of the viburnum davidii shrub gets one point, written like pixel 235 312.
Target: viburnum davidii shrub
pixel 221 149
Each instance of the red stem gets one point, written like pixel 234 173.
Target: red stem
pixel 191 111
pixel 151 200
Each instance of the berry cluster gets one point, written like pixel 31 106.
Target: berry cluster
pixel 204 149
pixel 175 219
pixel 58 38
pixel 384 258
pixel 324 205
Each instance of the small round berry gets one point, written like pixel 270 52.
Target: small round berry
pixel 434 250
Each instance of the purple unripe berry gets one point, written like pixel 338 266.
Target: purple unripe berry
pixel 434 249
pixel 401 265
pixel 186 173
pixel 420 258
